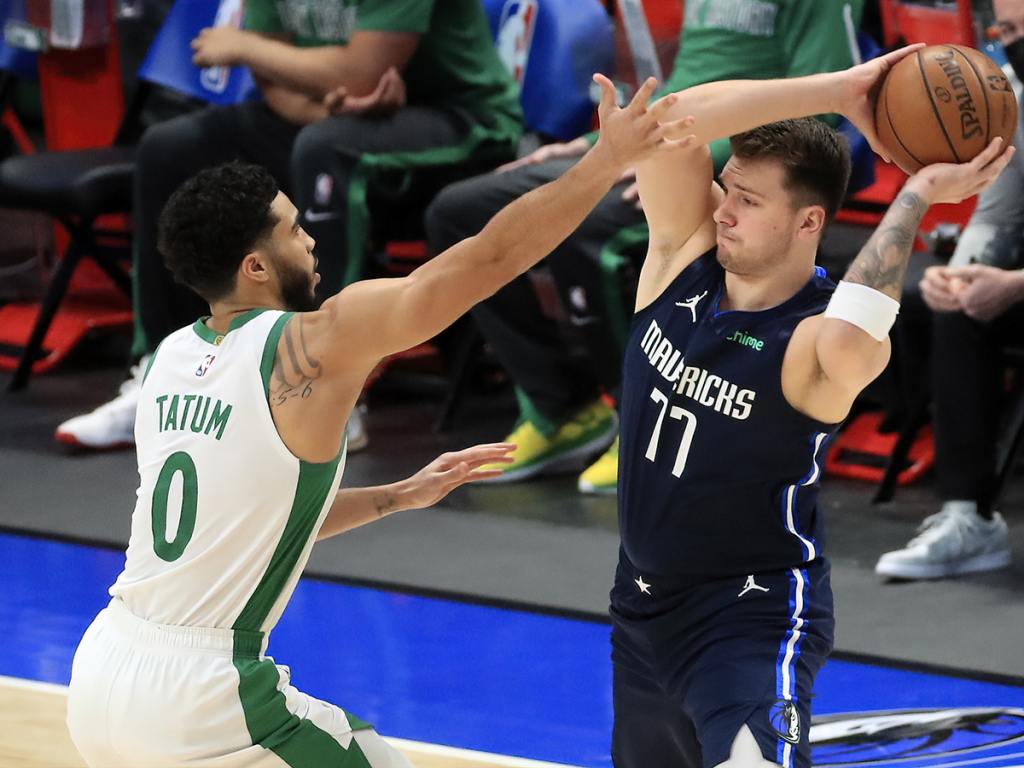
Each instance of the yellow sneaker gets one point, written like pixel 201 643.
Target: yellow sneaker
pixel 565 450
pixel 602 477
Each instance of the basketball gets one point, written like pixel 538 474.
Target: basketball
pixel 943 104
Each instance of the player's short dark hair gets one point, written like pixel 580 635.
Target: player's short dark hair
pixel 816 159
pixel 210 223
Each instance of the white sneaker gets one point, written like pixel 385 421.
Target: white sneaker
pixel 356 430
pixel 953 541
pixel 112 425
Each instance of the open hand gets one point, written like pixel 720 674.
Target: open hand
pixel 860 92
pixel 219 46
pixel 632 133
pixel 387 97
pixel 450 470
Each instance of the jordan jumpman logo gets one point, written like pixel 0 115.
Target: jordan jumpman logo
pixel 691 304
pixel 750 586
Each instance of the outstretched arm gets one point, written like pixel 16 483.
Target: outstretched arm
pixel 677 193
pixel 729 107
pixel 394 314
pixel 354 507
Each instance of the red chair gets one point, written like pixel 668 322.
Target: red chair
pixel 80 187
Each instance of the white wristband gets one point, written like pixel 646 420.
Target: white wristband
pixel 861 305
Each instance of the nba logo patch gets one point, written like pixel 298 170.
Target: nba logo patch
pixel 205 365
pixel 578 298
pixel 785 720
pixel 515 34
pixel 322 190
pixel 229 14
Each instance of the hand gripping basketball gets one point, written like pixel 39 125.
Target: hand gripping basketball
pixel 859 93
pixel 944 104
pixel 953 182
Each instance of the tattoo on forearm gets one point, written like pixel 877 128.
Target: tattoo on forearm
pixel 297 369
pixel 882 262
pixel 384 503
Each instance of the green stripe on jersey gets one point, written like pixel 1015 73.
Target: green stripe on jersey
pixel 149 363
pixel 316 482
pixel 270 351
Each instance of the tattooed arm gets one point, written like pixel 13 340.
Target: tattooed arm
pixel 847 356
pixel 829 361
pixel 882 262
pixel 296 367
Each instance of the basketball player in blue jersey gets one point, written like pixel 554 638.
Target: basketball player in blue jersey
pixel 742 359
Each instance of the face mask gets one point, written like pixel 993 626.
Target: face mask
pixel 1015 55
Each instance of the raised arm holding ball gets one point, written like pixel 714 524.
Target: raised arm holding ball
pixel 742 360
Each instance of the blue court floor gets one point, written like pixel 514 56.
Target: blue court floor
pixel 499 680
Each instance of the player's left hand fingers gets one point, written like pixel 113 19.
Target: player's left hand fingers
pixel 479 454
pixel 988 154
pixel 677 130
pixel 877 147
pixel 890 59
pixel 658 109
pixel 996 166
pixel 607 104
pixel 484 474
pixel 642 96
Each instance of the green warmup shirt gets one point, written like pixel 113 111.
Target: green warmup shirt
pixel 455 63
pixel 760 40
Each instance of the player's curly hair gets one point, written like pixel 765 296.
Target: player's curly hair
pixel 210 223
pixel 815 156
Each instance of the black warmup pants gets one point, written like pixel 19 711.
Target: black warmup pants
pixel 594 272
pixel 967 383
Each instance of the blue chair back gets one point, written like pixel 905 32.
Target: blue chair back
pixel 169 60
pixel 552 47
pixel 17 61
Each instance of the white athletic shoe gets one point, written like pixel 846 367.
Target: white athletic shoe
pixel 955 540
pixel 112 425
pixel 356 430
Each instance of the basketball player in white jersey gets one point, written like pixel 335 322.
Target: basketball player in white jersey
pixel 240 437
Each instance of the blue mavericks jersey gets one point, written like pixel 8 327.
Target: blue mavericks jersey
pixel 718 473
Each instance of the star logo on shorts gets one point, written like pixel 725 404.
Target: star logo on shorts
pixel 643 585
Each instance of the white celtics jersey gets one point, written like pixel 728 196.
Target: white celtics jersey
pixel 226 516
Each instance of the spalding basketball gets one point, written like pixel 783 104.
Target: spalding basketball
pixel 944 104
